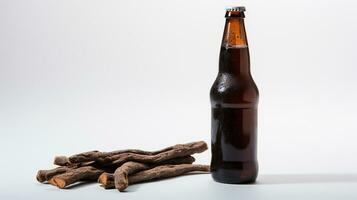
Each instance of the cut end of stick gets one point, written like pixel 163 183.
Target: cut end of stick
pixel 103 179
pixel 58 182
pixel 106 180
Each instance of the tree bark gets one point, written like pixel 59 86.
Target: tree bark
pixel 80 174
pixel 45 175
pixel 106 157
pixel 156 173
pixel 176 151
pixel 121 173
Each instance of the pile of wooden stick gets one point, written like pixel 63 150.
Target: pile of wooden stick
pixel 119 169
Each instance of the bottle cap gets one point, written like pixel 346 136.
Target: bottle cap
pixel 236 8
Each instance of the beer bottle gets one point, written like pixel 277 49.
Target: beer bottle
pixel 234 99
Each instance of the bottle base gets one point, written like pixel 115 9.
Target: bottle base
pixel 227 180
pixel 236 176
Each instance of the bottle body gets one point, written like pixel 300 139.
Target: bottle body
pixel 234 99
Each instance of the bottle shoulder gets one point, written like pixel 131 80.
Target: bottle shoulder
pixel 232 90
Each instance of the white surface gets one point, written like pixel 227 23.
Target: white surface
pixel 78 75
pixel 200 186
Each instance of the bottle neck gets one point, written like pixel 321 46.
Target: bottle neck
pixel 234 55
pixel 234 35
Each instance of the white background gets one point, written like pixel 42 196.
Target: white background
pixel 82 75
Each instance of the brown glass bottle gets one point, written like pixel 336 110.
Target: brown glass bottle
pixel 234 99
